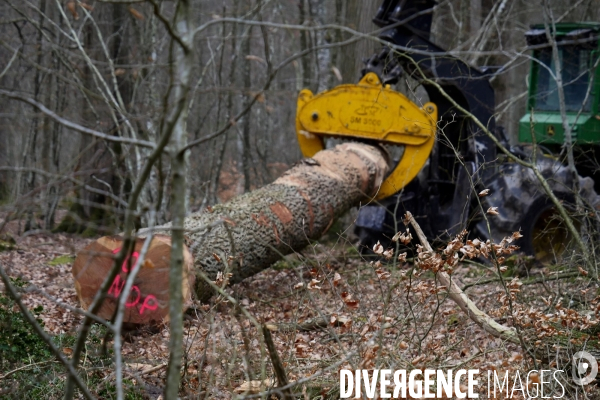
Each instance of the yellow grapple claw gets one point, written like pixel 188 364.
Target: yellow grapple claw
pixel 371 111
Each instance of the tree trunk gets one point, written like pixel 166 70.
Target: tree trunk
pixel 358 16
pixel 318 16
pixel 249 233
pixel 245 139
pixel 261 226
pixel 304 45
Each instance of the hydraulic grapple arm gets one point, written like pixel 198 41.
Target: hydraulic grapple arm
pixel 369 111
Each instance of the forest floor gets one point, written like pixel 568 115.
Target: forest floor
pixel 377 316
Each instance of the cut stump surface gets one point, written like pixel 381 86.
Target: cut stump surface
pixel 149 297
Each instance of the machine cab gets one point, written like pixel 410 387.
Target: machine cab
pixel 578 51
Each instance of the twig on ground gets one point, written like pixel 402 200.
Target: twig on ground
pixel 461 299
pixel 282 379
pixel 24 367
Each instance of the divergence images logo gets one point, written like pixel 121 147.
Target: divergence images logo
pixel 584 368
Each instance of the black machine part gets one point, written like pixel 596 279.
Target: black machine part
pixel 443 199
pixel 524 206
pixel 447 179
pixel 411 51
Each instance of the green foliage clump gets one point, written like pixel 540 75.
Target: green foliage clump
pixel 7 242
pixel 20 347
pixel 109 391
pixel 60 260
pixel 33 371
pixel 18 342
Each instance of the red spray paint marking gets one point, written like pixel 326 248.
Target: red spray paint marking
pixel 125 266
pixel 149 301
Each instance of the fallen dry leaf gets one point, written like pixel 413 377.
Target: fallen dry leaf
pixel 253 387
pixel 493 211
pixel 139 367
pixel 336 279
pixel 378 248
pixel 312 285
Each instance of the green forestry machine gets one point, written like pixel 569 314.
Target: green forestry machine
pixel 449 159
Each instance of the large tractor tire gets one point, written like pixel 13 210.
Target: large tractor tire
pixel 523 205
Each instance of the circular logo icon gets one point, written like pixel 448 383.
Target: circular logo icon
pixel 584 368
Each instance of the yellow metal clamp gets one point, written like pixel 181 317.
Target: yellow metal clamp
pixel 369 111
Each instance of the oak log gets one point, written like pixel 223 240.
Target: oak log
pixel 252 231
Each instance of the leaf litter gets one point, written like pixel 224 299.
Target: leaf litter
pixel 377 315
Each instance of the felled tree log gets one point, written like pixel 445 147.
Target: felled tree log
pixel 148 299
pixel 252 231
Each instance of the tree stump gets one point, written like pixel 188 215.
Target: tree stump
pixel 232 241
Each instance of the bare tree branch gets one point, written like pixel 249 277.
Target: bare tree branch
pixel 72 125
pixel 461 299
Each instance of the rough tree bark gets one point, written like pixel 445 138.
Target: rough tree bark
pixel 249 233
pixel 261 226
pixel 358 16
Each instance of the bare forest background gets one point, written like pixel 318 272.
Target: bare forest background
pixel 105 68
